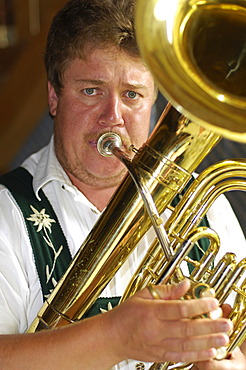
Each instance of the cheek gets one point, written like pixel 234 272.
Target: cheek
pixel 67 130
pixel 138 136
pixel 69 118
pixel 139 130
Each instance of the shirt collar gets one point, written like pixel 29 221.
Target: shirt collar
pixel 45 168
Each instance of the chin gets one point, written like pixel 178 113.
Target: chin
pixel 108 169
pixel 110 181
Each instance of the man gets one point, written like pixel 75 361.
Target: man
pixel 97 83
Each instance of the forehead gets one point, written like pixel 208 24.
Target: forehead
pixel 109 64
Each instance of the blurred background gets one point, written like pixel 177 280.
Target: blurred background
pixel 23 103
pixel 25 124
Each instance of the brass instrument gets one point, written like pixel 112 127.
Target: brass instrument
pixel 166 162
pixel 208 96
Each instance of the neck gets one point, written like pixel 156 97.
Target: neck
pixel 99 197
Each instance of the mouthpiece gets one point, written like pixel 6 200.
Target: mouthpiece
pixel 107 142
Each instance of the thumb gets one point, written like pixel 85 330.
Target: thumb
pixel 167 292
pixel 226 309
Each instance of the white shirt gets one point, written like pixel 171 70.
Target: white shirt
pixel 20 289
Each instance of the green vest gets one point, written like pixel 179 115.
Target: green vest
pixel 50 249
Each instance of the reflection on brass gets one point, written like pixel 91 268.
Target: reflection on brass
pixel 197 53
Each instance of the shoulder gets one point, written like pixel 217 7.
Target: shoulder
pixel 12 223
pixel 223 220
pixel 19 283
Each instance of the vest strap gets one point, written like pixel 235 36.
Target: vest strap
pixel 50 248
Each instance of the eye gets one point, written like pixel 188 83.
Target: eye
pixel 132 94
pixel 90 91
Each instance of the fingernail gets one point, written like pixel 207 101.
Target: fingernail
pixel 227 327
pixel 222 341
pixel 213 304
pixel 221 353
pixel 215 314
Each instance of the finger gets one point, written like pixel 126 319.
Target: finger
pixel 176 310
pixel 226 309
pixel 167 292
pixel 200 343
pixel 236 361
pixel 192 356
pixel 173 291
pixel 191 328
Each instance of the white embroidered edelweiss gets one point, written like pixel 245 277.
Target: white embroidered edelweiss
pixel 109 308
pixel 41 219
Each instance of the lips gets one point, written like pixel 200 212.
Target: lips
pixel 93 142
pixel 125 142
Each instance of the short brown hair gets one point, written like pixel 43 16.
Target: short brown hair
pixel 82 23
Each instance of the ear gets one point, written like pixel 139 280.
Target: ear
pixel 52 99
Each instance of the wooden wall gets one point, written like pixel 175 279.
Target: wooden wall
pixel 23 98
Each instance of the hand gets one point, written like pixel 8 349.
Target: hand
pixel 236 361
pixel 161 330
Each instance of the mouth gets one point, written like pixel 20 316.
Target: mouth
pixel 93 143
pixel 125 143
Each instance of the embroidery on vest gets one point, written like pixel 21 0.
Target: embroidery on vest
pixel 50 249
pixel 102 305
pixel 44 223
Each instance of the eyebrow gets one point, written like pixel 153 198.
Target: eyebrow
pixel 89 81
pixel 136 86
pixel 130 86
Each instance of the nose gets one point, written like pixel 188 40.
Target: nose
pixel 111 114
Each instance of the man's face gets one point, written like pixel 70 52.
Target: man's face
pixel 109 91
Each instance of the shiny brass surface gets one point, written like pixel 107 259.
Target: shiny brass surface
pixel 197 52
pixel 226 278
